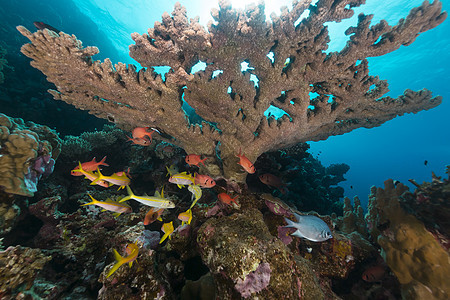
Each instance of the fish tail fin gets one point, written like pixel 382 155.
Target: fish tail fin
pixel 164 237
pixel 290 223
pixel 129 191
pixel 100 177
pixel 130 263
pixel 102 162
pixel 126 198
pixel 120 262
pixel 94 201
pixel 234 200
pixel 202 161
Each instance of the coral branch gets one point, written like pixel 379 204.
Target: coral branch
pixel 230 100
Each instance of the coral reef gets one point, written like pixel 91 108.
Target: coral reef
pixel 413 253
pixel 430 204
pixel 122 95
pixel 353 219
pixel 8 216
pixel 18 268
pixel 246 260
pixel 28 152
pixel 309 185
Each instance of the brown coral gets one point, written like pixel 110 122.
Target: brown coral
pixel 21 144
pixel 231 106
pixel 19 266
pixel 418 260
pixel 246 260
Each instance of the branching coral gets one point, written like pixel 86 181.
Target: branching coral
pixel 231 105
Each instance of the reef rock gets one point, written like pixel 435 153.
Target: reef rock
pixel 412 252
pixel 247 261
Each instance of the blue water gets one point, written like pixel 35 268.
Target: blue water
pixel 395 150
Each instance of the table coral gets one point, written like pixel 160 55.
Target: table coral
pixel 28 151
pixel 349 97
pixel 418 260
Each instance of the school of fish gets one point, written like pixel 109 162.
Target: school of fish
pixel 308 227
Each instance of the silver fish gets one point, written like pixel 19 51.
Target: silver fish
pixel 310 227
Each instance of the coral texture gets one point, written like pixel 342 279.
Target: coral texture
pixel 129 97
pixel 413 253
pixel 28 152
pixel 247 261
pixel 19 266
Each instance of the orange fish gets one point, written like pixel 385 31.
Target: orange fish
pixel 194 160
pixel 374 274
pixel 272 180
pixel 204 181
pixel 142 133
pixel 246 163
pixel 89 166
pixel 91 176
pixel 127 173
pixel 152 215
pixel 225 198
pixel 139 141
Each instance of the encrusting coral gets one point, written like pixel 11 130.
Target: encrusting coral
pixel 28 152
pixel 230 104
pixel 413 253
pixel 19 267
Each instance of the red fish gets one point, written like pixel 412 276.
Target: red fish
pixel 152 215
pixel 42 26
pixel 374 274
pixel 142 133
pixel 204 181
pixel 225 198
pixel 194 160
pixel 139 141
pixel 89 166
pixel 272 180
pixel 246 163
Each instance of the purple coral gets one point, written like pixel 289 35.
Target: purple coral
pixel 277 209
pixel 284 234
pixel 42 166
pixel 254 282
